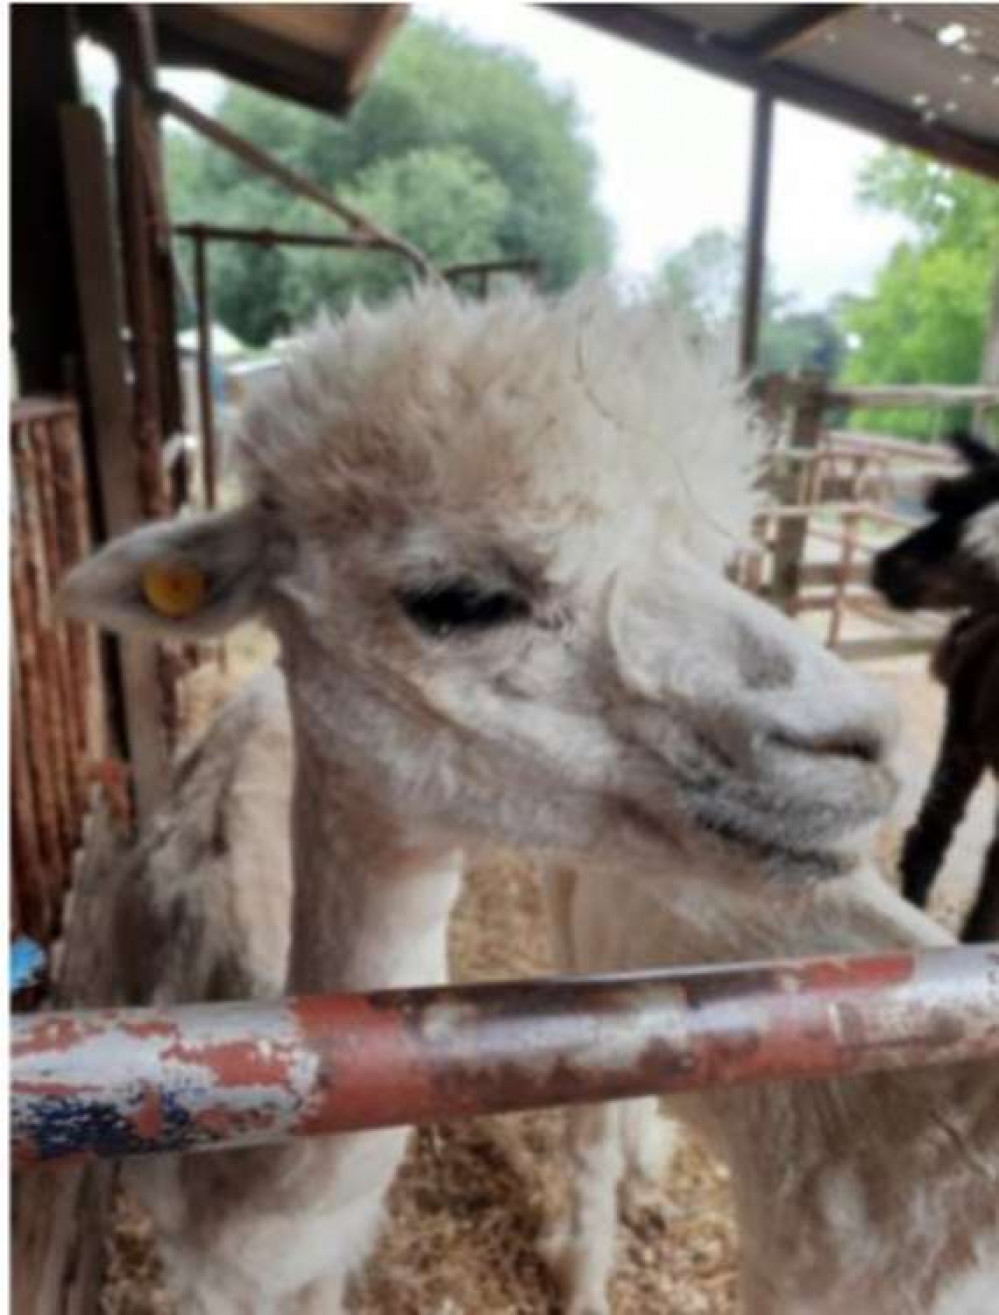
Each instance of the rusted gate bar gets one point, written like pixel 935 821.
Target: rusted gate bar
pixel 124 1082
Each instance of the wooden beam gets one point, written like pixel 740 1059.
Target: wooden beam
pixel 266 164
pixel 43 75
pixel 144 321
pixel 754 275
pixel 794 29
pixel 109 404
pixel 135 50
pixel 912 395
pixel 381 29
pixel 646 26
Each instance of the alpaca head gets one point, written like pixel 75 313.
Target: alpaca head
pixel 490 539
pixel 953 561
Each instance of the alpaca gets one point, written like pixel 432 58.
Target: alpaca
pixel 877 1194
pixel 207 898
pixel 954 562
pixel 206 892
pixel 489 538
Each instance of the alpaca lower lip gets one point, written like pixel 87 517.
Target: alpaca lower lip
pixel 786 834
pixel 775 857
pixel 768 851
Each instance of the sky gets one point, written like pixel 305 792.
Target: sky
pixel 673 145
pixel 673 150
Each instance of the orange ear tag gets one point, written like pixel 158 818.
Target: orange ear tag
pixel 174 589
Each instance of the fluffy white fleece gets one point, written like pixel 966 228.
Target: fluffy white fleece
pixel 588 418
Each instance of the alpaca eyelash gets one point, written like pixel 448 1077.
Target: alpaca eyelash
pixel 442 609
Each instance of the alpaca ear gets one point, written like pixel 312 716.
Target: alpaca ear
pixel 180 579
pixel 975 451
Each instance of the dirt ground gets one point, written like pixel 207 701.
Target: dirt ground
pixel 469 1205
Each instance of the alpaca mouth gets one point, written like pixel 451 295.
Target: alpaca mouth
pixel 739 841
pixel 776 857
pixel 811 831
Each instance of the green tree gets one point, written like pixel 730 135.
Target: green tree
pixel 927 314
pixel 459 147
pixel 704 280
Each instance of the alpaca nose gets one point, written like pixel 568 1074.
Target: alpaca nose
pixel 824 747
pixel 790 713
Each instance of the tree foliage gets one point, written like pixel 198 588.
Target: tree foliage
pixel 459 147
pixel 925 320
pixel 704 281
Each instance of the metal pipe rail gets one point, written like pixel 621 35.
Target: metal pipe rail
pixel 128 1081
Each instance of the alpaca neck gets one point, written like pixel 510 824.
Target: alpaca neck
pixel 870 1193
pixel 371 901
pixel 853 1188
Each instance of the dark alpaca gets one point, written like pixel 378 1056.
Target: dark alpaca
pixel 953 562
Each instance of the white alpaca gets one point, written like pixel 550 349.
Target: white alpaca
pixel 202 905
pixel 488 538
pixel 875 1194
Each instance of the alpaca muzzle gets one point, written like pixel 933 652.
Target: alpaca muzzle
pixel 768 741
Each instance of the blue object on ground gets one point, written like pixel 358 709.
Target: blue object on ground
pixel 27 963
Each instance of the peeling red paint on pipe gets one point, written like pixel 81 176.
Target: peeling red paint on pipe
pixel 129 1081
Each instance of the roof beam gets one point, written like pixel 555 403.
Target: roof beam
pixel 655 30
pixel 796 28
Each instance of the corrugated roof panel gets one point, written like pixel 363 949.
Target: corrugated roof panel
pixel 893 52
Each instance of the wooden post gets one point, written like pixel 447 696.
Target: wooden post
pixel 756 232
pixel 43 76
pixel 134 47
pixel 137 249
pixel 792 533
pixel 93 238
pixel 850 526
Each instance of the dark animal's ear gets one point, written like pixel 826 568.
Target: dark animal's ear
pixel 182 579
pixel 976 452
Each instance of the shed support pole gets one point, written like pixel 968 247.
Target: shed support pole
pixel 203 304
pixel 756 231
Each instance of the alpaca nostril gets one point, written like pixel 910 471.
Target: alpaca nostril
pixel 865 747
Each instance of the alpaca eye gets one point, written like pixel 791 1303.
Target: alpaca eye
pixel 461 605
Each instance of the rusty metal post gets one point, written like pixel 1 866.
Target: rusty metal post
pixel 754 274
pixel 125 1082
pixel 203 306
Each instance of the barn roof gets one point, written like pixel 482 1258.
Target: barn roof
pixel 923 76
pixel 319 55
